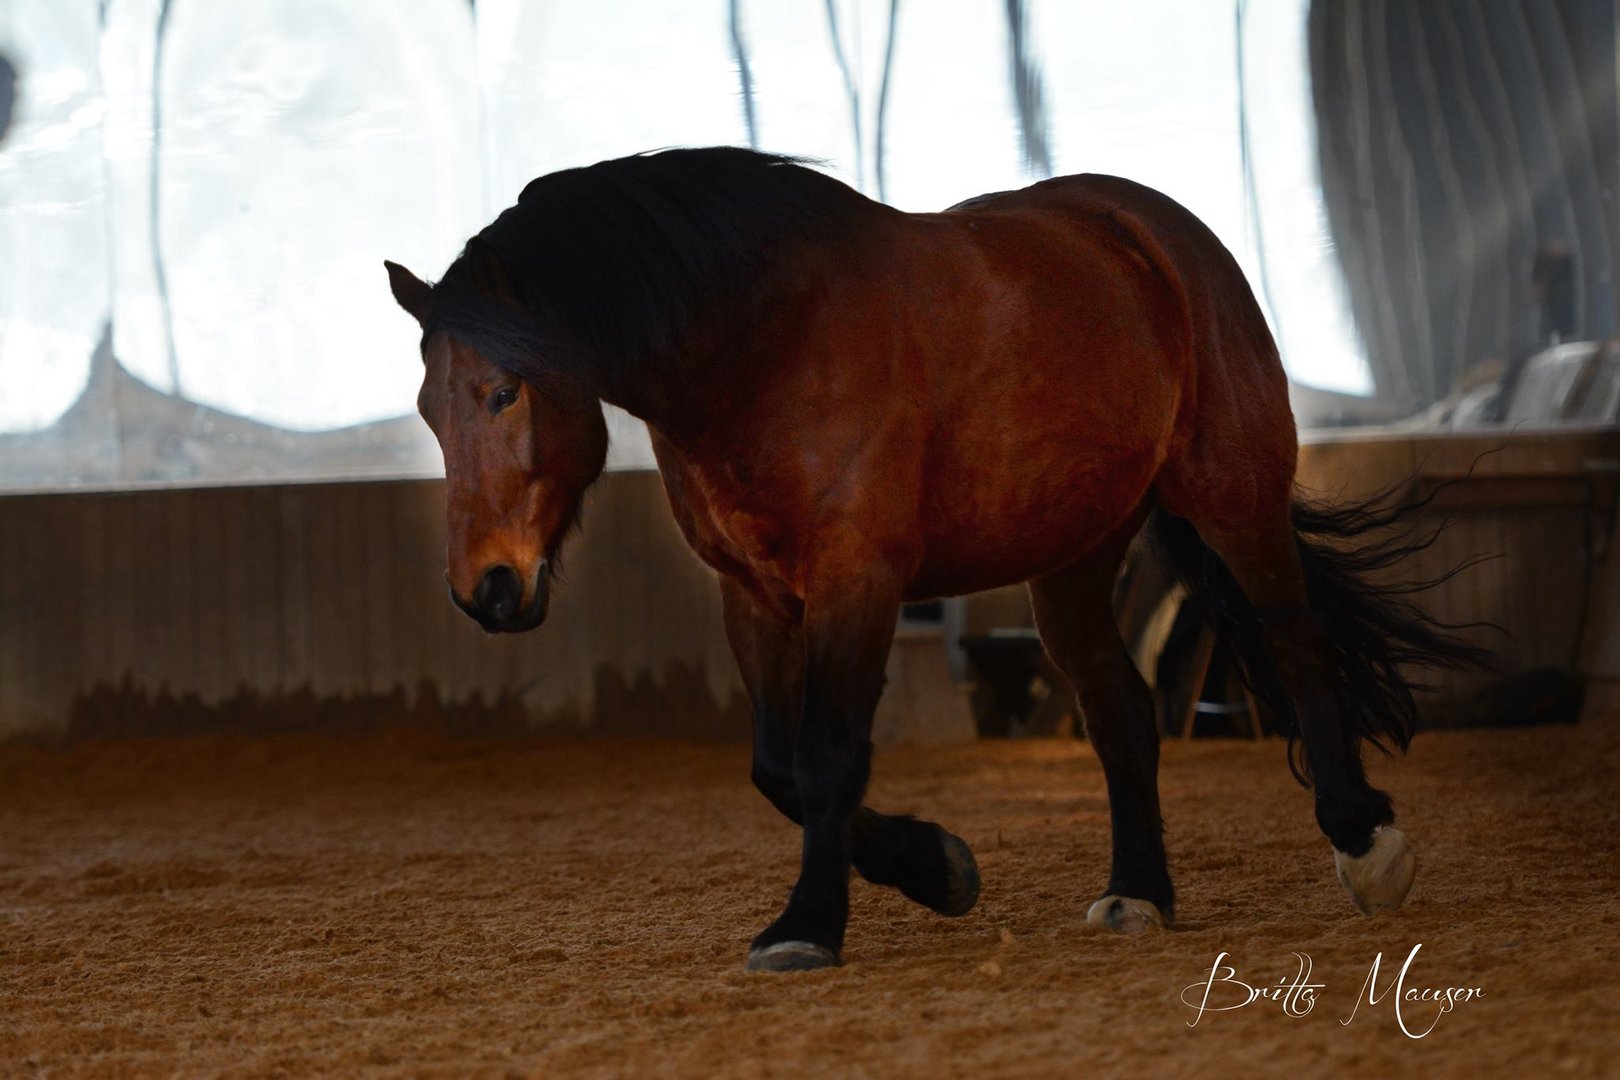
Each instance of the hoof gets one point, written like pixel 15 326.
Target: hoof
pixel 1126 915
pixel 1379 880
pixel 792 956
pixel 963 892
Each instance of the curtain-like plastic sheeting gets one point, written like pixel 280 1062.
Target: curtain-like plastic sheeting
pixel 299 141
pixel 800 100
pixel 1469 168
pixel 54 290
pixel 219 182
pixel 1295 263
pixel 571 84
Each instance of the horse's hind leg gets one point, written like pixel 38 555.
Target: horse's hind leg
pixel 1374 861
pixel 1074 613
pixel 922 860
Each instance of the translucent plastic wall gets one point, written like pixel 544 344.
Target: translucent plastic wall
pixel 195 197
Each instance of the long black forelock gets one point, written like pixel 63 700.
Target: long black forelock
pixel 505 335
pixel 613 263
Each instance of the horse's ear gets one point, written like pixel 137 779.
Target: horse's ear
pixel 488 272
pixel 412 293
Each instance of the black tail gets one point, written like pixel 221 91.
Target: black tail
pixel 1383 640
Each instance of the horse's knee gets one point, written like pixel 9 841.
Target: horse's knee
pixel 832 779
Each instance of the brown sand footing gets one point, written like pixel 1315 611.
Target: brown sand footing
pixel 415 905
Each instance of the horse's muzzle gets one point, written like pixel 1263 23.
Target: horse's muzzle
pixel 497 602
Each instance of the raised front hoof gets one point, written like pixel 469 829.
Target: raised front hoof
pixel 792 956
pixel 962 891
pixel 1380 879
pixel 1126 915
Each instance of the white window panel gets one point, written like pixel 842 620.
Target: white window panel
pixel 54 289
pixel 301 142
pixel 570 84
pixel 225 201
pixel 1302 278
pixel 952 130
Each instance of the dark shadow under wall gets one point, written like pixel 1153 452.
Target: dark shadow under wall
pixel 679 696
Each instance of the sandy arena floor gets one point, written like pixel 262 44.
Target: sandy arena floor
pixel 415 905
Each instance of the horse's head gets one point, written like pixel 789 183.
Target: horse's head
pixel 518 456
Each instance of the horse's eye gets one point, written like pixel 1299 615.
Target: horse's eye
pixel 502 398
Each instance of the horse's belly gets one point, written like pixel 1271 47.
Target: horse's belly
pixel 1002 530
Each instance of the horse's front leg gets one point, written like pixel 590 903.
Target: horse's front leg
pixel 922 860
pixel 847 634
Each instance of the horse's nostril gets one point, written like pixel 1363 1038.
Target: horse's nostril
pixel 500 594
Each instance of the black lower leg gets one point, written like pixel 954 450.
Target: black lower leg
pixel 1075 619
pixel 847 636
pixel 1138 867
pixel 1348 808
pixel 830 775
pixel 919 858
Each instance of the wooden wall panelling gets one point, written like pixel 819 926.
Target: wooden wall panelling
pixel 379 568
pixel 329 635
pixel 204 549
pixel 287 581
pixel 340 589
pixel 1485 592
pixel 1482 592
pixel 13 620
pixel 348 609
pixel 1352 469
pixel 118 605
pixel 52 656
pixel 1600 636
pixel 263 665
pixel 16 620
pixel 96 583
pixel 418 584
pixel 150 604
pixel 233 583
pixel 25 627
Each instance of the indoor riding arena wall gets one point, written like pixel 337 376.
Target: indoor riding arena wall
pixel 323 606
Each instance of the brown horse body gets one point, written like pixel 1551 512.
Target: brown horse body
pixel 851 407
pixel 1028 371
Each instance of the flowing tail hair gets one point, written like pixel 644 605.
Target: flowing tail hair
pixel 1382 641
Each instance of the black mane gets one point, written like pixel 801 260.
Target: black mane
pixel 613 262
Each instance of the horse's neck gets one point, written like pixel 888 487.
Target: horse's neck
pixel 668 400
pixel 680 394
pixel 729 350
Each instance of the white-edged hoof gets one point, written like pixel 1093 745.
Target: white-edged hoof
pixel 792 956
pixel 1379 880
pixel 1126 915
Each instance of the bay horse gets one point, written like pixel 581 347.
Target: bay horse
pixel 852 407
